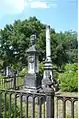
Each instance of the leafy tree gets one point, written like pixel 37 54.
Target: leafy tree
pixel 15 39
pixel 69 79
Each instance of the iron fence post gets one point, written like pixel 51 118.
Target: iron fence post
pixel 14 85
pixel 50 102
pixel 0 104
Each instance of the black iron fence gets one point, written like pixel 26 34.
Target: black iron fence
pixel 66 106
pixel 11 82
pixel 15 102
pixel 19 103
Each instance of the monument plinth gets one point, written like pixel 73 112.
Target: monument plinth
pixel 32 81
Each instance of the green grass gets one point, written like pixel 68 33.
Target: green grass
pixel 67 93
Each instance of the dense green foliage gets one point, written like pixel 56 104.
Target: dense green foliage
pixel 69 79
pixel 15 39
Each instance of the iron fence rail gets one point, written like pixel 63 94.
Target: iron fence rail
pixel 11 82
pixel 64 100
pixel 13 97
pixel 19 103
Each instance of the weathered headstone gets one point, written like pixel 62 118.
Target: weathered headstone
pixel 32 82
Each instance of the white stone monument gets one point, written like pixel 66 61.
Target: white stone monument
pixel 32 80
pixel 48 49
pixel 48 63
pixel 33 57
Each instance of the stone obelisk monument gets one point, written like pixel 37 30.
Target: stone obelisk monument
pixel 48 49
pixel 48 63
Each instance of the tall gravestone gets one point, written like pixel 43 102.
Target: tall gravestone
pixel 48 63
pixel 32 81
pixel 48 68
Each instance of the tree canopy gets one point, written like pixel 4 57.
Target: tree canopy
pixel 14 41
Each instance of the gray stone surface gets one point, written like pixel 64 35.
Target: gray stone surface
pixel 32 82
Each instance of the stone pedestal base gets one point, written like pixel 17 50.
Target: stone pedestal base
pixel 32 82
